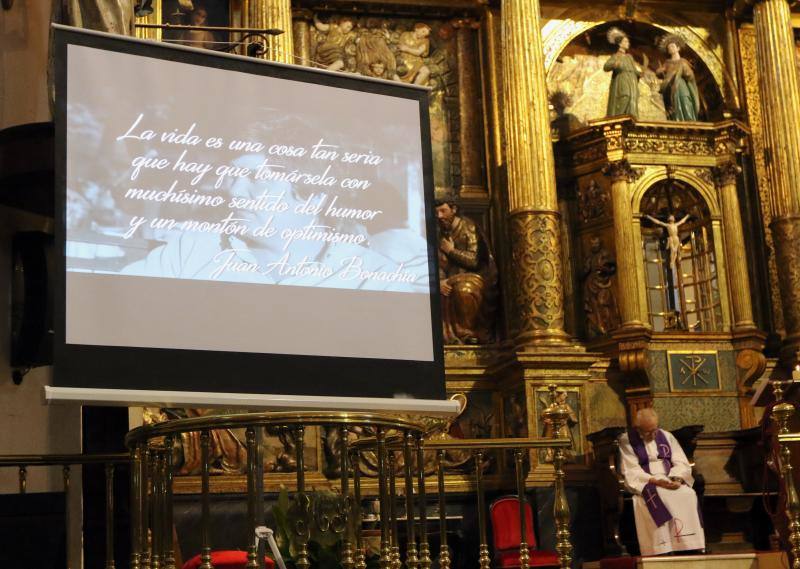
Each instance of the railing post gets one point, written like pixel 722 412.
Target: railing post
pixel 136 505
pixel 395 545
pixel 205 501
pixel 385 561
pixel 558 415
pixel 444 550
pixel 361 561
pixel 412 561
pixel 348 561
pixel 483 551
pixel 147 479
pixel 783 412
pixel 109 515
pixel 303 524
pixel 524 553
pixel 252 521
pixel 424 548
pixel 169 543
pixel 156 557
pixel 65 474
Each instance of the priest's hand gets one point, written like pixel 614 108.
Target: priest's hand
pixel 666 484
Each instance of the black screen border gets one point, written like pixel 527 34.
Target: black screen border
pixel 108 367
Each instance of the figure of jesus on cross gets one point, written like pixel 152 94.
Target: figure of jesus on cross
pixel 673 238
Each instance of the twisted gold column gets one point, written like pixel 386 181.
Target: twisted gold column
pixel 537 316
pixel 621 174
pixel 268 14
pixel 780 97
pixel 736 260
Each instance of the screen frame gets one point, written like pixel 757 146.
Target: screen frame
pixel 167 369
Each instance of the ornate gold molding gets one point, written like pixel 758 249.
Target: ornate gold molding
pixel 678 144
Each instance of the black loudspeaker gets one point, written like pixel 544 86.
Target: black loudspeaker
pixel 31 302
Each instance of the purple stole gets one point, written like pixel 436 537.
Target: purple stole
pixel 658 510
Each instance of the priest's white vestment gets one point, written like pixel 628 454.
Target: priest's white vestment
pixel 685 530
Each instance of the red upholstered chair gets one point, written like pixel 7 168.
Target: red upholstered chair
pixel 227 560
pixel 504 513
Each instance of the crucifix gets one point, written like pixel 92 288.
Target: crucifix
pixel 673 238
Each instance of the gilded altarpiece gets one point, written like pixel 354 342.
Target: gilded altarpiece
pixel 618 357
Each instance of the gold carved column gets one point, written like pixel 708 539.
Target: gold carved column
pixel 272 14
pixel 780 98
pixel 735 257
pixel 537 304
pixel 469 104
pixel 621 174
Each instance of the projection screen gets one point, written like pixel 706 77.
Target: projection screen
pixel 232 225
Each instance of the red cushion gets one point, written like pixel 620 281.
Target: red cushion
pixel 227 560
pixel 505 523
pixel 509 559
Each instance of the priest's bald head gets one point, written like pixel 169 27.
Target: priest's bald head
pixel 646 422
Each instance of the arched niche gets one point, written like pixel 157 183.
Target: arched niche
pixel 687 295
pixel 578 86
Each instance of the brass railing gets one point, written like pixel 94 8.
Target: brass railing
pixel 395 446
pixel 397 450
pixel 67 461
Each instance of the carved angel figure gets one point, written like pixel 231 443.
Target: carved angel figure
pixel 331 51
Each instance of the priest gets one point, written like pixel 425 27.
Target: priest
pixel 659 475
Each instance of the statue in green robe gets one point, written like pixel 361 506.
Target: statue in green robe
pixel 678 85
pixel 623 96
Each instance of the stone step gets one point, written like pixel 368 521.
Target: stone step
pixel 749 560
pixel 723 561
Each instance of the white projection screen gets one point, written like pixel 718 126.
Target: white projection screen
pixel 228 224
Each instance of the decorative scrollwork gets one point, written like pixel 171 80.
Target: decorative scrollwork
pixel 667 145
pixel 536 258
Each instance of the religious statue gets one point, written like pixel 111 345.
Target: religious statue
pixel 623 95
pixel 112 16
pixel 599 302
pixel 374 58
pixel 565 430
pixel 467 277
pixel 592 201
pixel 678 85
pixel 330 52
pixel 673 237
pixel 198 38
pixel 414 46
